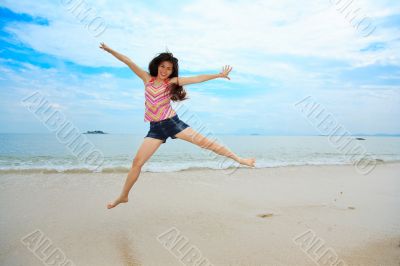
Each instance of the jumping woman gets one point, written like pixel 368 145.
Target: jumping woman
pixel 162 85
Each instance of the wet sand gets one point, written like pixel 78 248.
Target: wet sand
pixel 303 215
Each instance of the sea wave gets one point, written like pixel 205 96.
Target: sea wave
pixel 160 167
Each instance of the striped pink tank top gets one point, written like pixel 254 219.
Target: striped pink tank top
pixel 157 101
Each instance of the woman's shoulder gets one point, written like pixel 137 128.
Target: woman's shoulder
pixel 150 79
pixel 173 80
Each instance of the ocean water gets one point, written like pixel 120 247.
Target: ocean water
pixel 47 153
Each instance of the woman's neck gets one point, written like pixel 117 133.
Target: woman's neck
pixel 159 81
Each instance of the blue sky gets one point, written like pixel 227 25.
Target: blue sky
pixel 281 52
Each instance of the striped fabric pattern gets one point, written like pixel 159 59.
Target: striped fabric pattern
pixel 157 101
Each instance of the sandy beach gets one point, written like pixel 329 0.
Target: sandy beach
pixel 302 215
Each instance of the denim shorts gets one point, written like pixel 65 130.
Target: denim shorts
pixel 166 128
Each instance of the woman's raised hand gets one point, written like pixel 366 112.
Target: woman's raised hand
pixel 104 47
pixel 225 72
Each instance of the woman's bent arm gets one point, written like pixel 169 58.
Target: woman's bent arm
pixel 135 68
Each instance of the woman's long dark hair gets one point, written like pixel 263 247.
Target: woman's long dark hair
pixel 178 93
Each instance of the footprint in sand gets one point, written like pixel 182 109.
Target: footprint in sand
pixel 265 215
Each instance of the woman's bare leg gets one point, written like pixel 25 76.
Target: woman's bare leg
pixel 146 150
pixel 194 137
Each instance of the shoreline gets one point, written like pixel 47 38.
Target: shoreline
pixel 120 169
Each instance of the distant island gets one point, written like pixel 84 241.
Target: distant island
pixel 95 132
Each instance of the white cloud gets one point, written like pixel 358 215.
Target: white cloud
pixel 257 39
pixel 205 37
pixel 75 93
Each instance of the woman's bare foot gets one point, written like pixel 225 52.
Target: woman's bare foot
pixel 248 161
pixel 117 201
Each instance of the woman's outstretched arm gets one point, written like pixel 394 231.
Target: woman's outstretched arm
pixel 200 78
pixel 135 68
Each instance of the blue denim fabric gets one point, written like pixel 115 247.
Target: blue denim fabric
pixel 166 128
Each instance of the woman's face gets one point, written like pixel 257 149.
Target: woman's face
pixel 165 69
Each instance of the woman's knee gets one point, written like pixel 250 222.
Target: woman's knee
pixel 208 144
pixel 138 162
